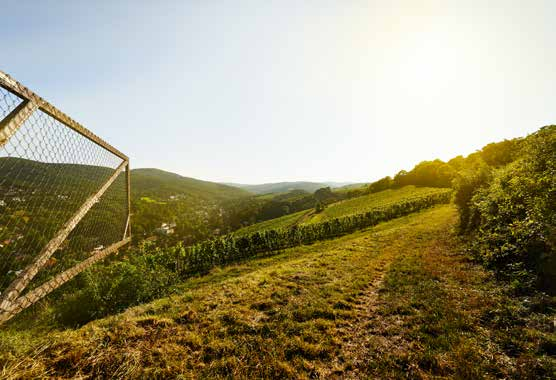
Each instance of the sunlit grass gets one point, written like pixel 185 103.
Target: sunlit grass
pixel 372 202
pixel 392 301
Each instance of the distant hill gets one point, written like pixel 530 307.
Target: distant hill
pixel 336 185
pixel 22 176
pixel 36 198
pixel 197 207
pixel 162 184
pixel 350 186
pixel 284 187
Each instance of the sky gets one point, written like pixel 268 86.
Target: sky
pixel 266 91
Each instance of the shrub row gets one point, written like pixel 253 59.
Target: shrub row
pixel 201 257
pixel 509 214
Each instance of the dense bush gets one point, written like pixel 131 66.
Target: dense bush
pixel 501 153
pixel 113 287
pixel 512 213
pixel 380 185
pixel 427 173
pixel 466 184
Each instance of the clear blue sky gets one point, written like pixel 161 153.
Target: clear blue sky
pixel 259 91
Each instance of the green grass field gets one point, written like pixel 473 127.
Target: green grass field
pixel 398 300
pixel 371 202
pixel 273 224
pixel 343 208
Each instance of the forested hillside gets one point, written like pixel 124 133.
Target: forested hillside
pixel 196 208
pixel 160 183
pixel 199 210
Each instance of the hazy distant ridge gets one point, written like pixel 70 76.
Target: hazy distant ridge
pixel 281 187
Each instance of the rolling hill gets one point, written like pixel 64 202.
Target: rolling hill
pixel 162 184
pixel 22 174
pixel 198 208
pixel 284 187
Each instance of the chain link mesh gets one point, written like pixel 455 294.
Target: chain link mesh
pixel 47 171
pixel 8 102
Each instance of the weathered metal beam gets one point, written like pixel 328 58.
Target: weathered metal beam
pixel 23 92
pixel 126 227
pixel 128 191
pixel 14 120
pixel 17 286
pixel 36 294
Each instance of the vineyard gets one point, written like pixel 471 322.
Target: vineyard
pixel 201 257
pixel 273 224
pixel 353 206
pixel 372 202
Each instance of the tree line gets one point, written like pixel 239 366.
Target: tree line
pixel 437 173
pixel 507 206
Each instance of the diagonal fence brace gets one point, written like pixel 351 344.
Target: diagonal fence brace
pixel 19 284
pixel 33 296
pixel 15 119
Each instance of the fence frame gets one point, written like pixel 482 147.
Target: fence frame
pixel 11 300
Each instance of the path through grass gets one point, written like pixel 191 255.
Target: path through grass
pixel 393 300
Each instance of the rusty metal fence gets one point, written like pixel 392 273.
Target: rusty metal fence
pixel 64 198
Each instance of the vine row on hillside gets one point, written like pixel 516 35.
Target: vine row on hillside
pixel 201 257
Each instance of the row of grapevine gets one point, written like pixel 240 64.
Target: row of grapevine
pixel 371 202
pixel 201 257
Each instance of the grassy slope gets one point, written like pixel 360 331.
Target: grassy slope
pixel 343 208
pixel 396 300
pixel 281 222
pixel 371 202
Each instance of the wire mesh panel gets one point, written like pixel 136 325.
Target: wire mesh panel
pixel 64 197
pixel 8 102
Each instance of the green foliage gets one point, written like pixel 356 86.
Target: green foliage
pixel 205 255
pixel 380 185
pixel 277 223
pixel 319 207
pixel 427 173
pixel 197 207
pixel 466 183
pixel 350 206
pixel 513 213
pixel 437 173
pixel 501 153
pixel 298 200
pixel 325 195
pixel 373 201
pixel 115 286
